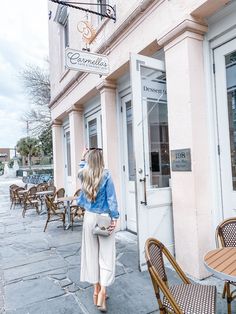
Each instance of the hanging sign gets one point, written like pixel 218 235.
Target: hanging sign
pixel 86 61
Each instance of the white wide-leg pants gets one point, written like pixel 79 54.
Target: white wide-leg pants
pixel 98 254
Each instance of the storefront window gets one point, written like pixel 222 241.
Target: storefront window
pixel 155 124
pixel 230 63
pixel 129 125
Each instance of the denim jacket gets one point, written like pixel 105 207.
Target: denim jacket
pixel 105 202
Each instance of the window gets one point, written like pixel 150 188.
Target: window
pixel 130 150
pixel 93 125
pixel 66 33
pixel 93 136
pixel 155 126
pixel 230 64
pixel 68 153
pixel 102 7
pixel 62 18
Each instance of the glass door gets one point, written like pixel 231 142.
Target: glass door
pixel 225 78
pixel 151 147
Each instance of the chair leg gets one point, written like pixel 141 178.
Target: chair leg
pixel 46 224
pixel 23 212
pixel 224 291
pixel 229 298
pixel 72 222
pixel 64 222
pixel 37 209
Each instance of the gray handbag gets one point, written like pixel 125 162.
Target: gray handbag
pixel 103 222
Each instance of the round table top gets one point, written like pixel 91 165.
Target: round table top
pixel 22 191
pixel 222 263
pixel 44 193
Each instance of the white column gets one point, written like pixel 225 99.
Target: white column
pixel 77 143
pixel 188 128
pixel 58 154
pixel 110 132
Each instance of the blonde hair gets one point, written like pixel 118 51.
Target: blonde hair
pixel 92 173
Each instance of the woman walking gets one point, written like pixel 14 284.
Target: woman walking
pixel 98 198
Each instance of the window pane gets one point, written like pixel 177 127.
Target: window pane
pixel 102 7
pixel 66 34
pixel 130 150
pixel 93 136
pixel 68 153
pixel 155 126
pixel 230 62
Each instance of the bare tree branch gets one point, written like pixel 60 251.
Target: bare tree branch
pixel 36 85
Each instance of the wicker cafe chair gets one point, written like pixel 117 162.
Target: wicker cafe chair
pixel 75 210
pixel 54 211
pixel 58 194
pixel 17 199
pixel 30 201
pixel 226 237
pixel 11 188
pixel 184 298
pixel 42 187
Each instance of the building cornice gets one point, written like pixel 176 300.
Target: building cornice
pixel 106 84
pixel 77 109
pixel 56 122
pixel 186 26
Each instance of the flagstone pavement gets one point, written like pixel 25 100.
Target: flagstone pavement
pixel 40 272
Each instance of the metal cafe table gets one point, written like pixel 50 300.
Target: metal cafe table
pixel 68 200
pixel 222 263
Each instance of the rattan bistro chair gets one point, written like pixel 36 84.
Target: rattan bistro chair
pixel 55 212
pixel 184 298
pixel 30 201
pixel 16 198
pixel 59 194
pixel 226 237
pixel 75 210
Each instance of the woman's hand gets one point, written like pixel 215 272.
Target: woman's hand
pixel 112 226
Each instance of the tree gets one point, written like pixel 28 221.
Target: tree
pixel 37 86
pixel 46 141
pixel 28 147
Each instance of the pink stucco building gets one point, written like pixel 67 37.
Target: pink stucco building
pixel 164 114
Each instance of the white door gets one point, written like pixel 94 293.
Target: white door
pixel 129 164
pixel 68 177
pixel 151 146
pixel 225 78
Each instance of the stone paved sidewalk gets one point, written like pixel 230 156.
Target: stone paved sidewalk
pixel 39 272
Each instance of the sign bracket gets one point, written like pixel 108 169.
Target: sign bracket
pixel 109 11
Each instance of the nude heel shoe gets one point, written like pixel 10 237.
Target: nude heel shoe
pixel 101 302
pixel 96 291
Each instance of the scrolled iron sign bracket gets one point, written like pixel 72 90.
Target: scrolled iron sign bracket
pixel 110 11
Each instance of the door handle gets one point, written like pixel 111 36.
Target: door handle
pixel 144 191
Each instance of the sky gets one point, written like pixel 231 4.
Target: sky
pixel 23 40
